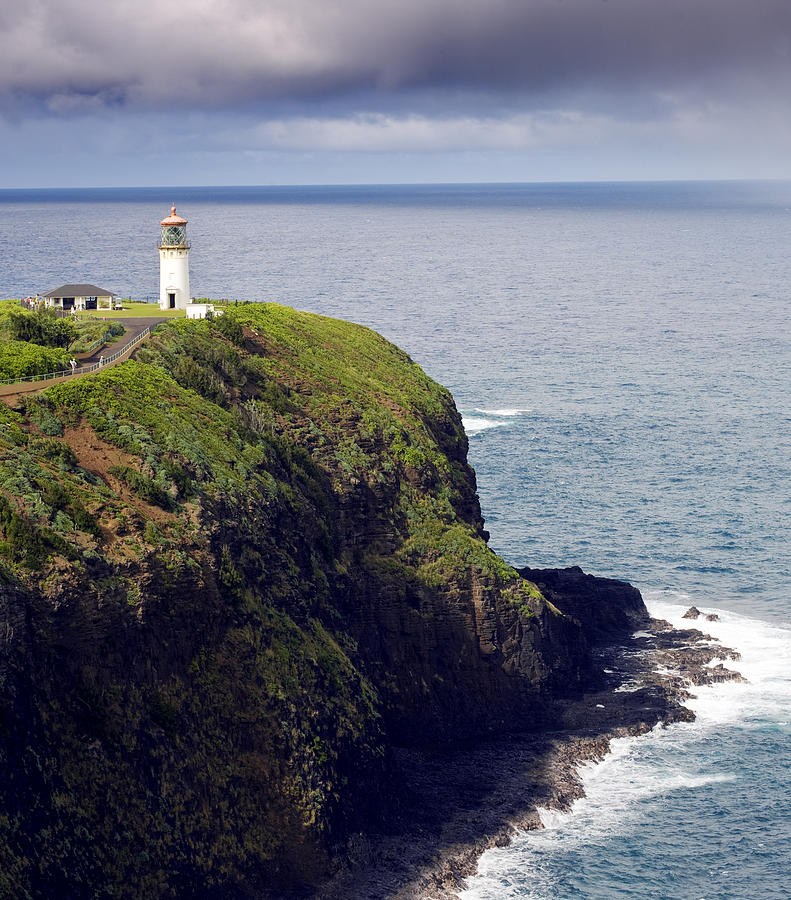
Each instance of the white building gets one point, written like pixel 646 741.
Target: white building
pixel 79 296
pixel 174 269
pixel 200 310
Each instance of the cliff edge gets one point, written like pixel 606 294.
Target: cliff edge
pixel 241 576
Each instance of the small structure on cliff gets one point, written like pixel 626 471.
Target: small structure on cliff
pixel 174 269
pixel 79 296
pixel 202 310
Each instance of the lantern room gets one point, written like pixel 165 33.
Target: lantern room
pixel 174 230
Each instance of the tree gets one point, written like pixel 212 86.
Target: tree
pixel 42 328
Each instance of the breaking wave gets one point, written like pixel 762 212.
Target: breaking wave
pixel 671 793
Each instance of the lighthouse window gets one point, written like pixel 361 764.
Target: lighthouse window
pixel 173 234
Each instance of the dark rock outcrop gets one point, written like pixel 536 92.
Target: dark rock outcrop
pixel 607 609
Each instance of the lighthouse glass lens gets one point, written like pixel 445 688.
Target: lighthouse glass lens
pixel 173 234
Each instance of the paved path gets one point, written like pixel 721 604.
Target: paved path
pixel 134 326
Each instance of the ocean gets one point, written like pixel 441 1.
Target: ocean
pixel 621 356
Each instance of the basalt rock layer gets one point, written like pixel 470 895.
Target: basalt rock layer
pixel 606 608
pixel 240 574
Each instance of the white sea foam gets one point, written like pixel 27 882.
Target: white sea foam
pixel 505 413
pixel 483 419
pixel 475 424
pixel 614 789
pixel 660 763
pixel 765 662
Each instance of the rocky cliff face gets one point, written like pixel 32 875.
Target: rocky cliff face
pixel 236 573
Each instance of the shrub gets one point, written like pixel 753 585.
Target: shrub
pixel 57 451
pixel 145 488
pixel 165 714
pixel 84 520
pixel 230 328
pixel 23 542
pixel 20 358
pixel 43 328
pixel 40 412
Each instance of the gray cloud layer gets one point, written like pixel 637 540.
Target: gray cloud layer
pixel 77 55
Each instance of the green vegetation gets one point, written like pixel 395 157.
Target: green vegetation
pixel 215 410
pixel 39 343
pixel 44 328
pixel 202 535
pixel 19 358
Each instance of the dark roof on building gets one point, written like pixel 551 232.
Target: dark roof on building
pixel 79 290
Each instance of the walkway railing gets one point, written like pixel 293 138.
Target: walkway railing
pixel 83 370
pixel 98 342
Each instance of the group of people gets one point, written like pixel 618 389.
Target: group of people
pixel 73 363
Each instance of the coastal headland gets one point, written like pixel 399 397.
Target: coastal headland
pixel 253 641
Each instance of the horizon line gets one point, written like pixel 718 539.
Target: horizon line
pixel 395 184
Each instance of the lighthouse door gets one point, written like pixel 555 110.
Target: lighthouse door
pixel 172 300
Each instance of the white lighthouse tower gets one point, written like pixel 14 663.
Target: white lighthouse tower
pixel 174 266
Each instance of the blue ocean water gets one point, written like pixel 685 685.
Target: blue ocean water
pixel 621 355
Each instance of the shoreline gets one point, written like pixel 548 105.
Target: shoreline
pixel 459 802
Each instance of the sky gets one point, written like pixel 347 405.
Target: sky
pixel 213 92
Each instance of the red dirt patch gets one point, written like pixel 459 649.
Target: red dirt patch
pixel 97 456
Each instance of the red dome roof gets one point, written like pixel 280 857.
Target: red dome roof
pixel 173 219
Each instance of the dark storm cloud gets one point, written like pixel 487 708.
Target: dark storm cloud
pixel 76 55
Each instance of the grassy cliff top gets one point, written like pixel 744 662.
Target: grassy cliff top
pixel 209 409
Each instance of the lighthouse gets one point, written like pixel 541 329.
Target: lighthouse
pixel 174 266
